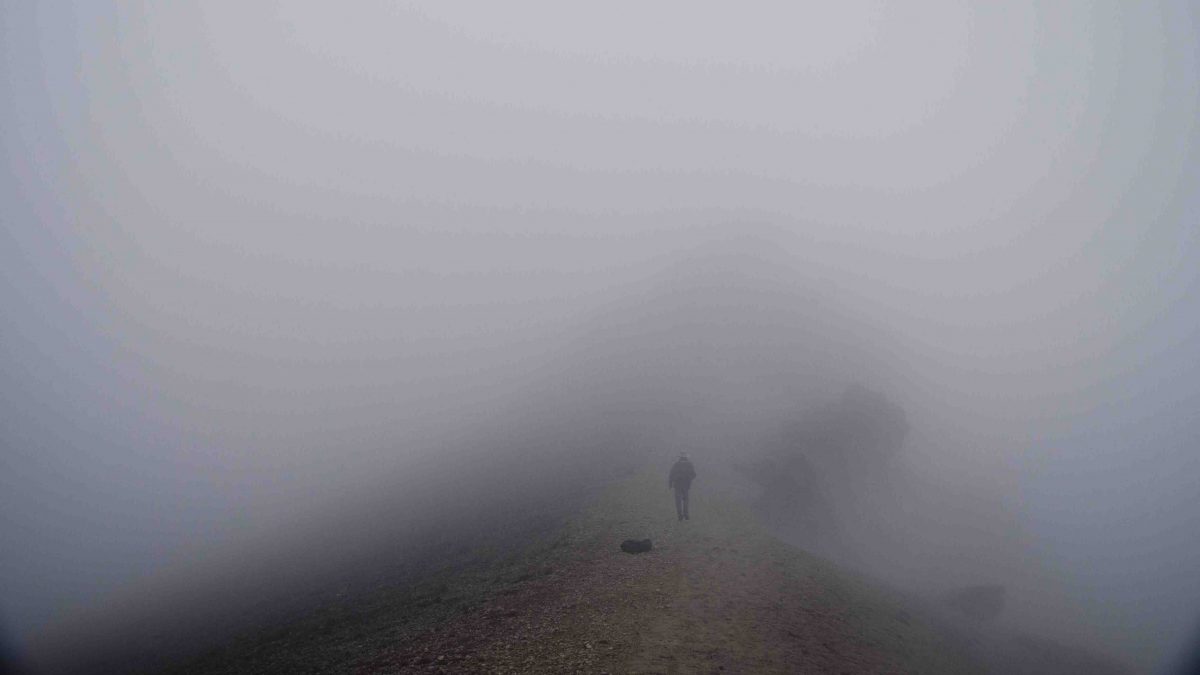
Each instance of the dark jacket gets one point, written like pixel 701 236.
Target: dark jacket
pixel 682 474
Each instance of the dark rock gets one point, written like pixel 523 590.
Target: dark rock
pixel 636 545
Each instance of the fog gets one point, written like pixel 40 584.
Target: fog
pixel 266 265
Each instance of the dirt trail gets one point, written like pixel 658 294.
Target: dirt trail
pixel 717 594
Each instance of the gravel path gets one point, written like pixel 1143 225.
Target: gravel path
pixel 716 594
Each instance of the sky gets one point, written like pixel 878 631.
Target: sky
pixel 235 237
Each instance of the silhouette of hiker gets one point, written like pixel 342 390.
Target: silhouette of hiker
pixel 680 479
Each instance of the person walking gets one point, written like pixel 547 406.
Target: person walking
pixel 680 479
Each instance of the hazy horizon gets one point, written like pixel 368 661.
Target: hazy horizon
pixel 258 258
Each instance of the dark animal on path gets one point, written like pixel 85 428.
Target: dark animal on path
pixel 636 545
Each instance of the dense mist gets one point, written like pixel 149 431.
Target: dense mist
pixel 288 285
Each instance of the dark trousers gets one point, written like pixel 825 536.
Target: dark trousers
pixel 681 501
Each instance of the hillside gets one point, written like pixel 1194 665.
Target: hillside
pixel 717 593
